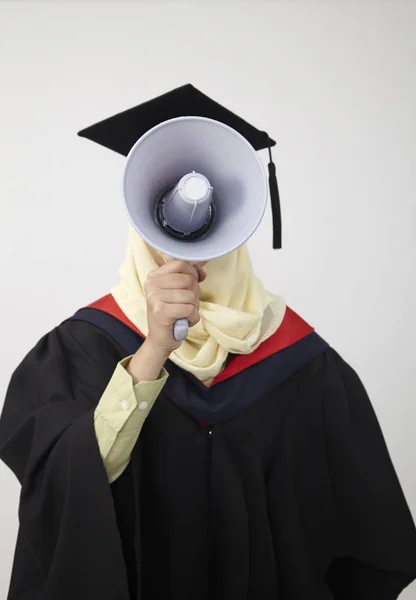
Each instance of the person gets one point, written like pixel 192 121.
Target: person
pixel 243 462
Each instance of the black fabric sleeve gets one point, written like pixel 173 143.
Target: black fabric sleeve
pixel 68 544
pixel 341 524
pixel 375 547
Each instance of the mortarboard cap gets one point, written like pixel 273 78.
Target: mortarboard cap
pixel 121 132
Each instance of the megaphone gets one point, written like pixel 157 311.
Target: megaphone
pixel 194 189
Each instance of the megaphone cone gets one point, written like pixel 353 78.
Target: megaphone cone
pixel 194 189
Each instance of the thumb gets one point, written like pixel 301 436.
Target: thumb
pixel 202 275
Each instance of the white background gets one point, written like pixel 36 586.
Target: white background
pixel 332 82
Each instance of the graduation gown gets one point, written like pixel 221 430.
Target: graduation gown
pixel 273 484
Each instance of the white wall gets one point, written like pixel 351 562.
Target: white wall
pixel 333 82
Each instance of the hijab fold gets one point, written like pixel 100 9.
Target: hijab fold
pixel 237 313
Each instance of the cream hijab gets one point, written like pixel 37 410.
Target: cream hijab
pixel 237 313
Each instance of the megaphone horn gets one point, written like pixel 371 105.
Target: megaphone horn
pixel 195 190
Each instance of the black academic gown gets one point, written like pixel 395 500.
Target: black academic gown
pixel 286 492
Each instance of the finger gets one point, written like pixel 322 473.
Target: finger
pixel 202 275
pixel 175 266
pixel 169 313
pixel 172 281
pixel 184 311
pixel 194 318
pixel 179 297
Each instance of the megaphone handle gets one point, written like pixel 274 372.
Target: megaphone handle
pixel 181 326
pixel 180 330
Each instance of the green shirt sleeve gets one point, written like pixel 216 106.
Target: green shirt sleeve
pixel 120 414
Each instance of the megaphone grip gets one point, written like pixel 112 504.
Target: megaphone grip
pixel 180 330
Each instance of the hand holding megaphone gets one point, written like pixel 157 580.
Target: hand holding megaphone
pixel 172 294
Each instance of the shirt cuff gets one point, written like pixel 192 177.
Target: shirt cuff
pixel 123 407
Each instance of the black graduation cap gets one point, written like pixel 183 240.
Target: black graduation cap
pixel 120 132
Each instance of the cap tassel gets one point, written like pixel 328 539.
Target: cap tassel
pixel 275 202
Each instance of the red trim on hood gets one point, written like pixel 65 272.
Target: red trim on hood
pixel 292 330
